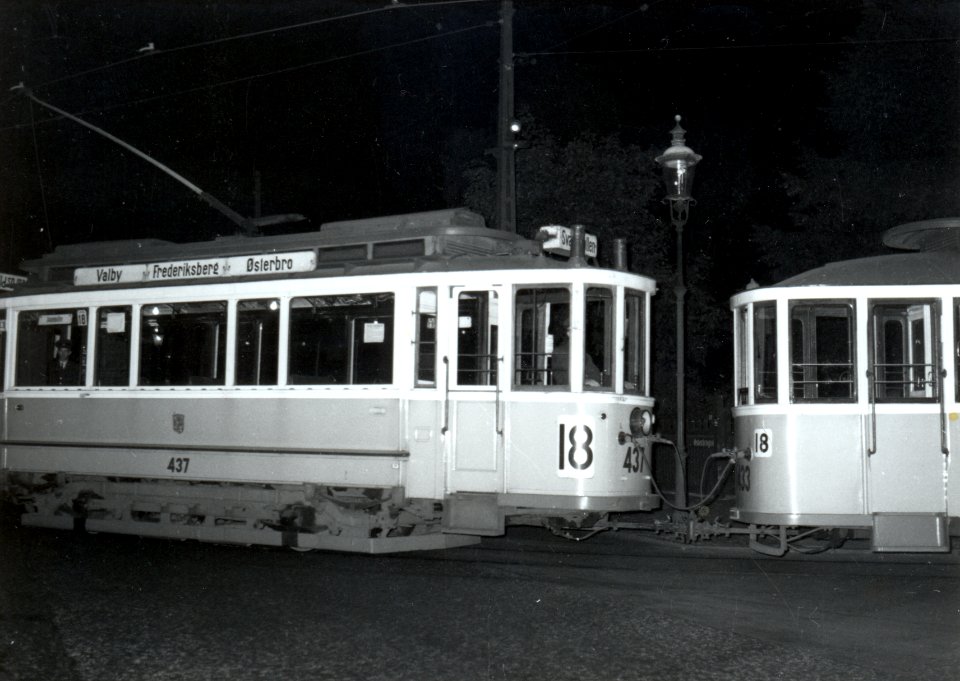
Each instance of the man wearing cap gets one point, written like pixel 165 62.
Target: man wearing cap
pixel 62 370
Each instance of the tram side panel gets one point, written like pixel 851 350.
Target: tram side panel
pixel 574 449
pixel 802 469
pixel 264 440
pixel 422 473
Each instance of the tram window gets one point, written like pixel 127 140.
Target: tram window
pixel 634 327
pixel 112 355
pixel 258 341
pixel 51 347
pixel 904 342
pixel 765 352
pixel 3 346
pixel 822 351
pixel 740 329
pixel 426 344
pixel 477 328
pixel 537 311
pixel 341 340
pixel 598 338
pixel 183 343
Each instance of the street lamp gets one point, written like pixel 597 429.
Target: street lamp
pixel 678 163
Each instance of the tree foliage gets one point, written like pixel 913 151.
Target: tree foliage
pixel 593 180
pixel 615 190
pixel 889 152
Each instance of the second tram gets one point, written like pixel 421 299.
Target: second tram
pixel 847 399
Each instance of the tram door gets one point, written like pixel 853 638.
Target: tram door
pixel 474 403
pixel 905 438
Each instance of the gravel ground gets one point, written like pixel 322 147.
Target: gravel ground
pixel 118 608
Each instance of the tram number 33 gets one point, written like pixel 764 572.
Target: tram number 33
pixel 743 477
pixel 178 464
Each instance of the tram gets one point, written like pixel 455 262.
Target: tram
pixel 398 383
pixel 847 405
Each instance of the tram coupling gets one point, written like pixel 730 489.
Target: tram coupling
pixel 690 523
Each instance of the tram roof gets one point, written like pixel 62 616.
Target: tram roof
pixel 915 269
pixel 938 234
pixel 432 241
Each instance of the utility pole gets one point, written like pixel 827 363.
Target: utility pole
pixel 506 150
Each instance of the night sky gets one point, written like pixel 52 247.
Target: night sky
pixel 354 109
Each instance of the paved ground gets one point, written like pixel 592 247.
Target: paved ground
pixel 621 606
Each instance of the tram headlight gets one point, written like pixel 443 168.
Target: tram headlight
pixel 641 422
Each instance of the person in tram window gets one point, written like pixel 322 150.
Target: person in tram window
pixel 63 370
pixel 560 361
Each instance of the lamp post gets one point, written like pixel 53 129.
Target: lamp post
pixel 678 163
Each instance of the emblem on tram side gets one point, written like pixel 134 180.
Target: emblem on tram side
pixel 178 423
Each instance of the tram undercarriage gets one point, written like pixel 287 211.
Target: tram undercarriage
pixel 302 517
pixel 367 520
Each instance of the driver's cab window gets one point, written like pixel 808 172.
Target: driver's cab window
pixel 540 356
pixel 822 351
pixel 598 339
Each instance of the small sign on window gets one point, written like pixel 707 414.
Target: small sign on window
pixel 374 332
pixel 54 319
pixel 116 322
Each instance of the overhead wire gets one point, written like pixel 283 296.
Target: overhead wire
pixel 593 29
pixel 153 54
pixel 234 81
pixel 710 48
pixel 254 34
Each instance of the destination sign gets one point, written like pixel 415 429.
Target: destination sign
pixel 559 238
pixel 11 279
pixel 207 268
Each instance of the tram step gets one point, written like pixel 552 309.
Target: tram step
pixel 910 533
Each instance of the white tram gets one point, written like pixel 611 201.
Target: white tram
pixel 406 382
pixel 847 400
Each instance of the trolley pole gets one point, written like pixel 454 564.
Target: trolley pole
pixel 678 163
pixel 506 150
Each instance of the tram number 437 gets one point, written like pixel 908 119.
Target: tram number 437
pixel 178 464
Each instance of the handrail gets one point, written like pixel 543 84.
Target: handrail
pixel 872 448
pixel 497 405
pixel 446 396
pixel 944 449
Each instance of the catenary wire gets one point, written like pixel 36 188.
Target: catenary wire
pixel 253 34
pixel 288 69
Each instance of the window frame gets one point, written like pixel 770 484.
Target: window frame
pixel 905 345
pixel 812 370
